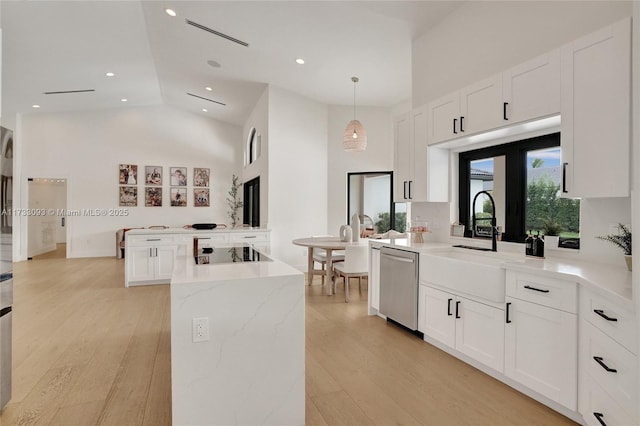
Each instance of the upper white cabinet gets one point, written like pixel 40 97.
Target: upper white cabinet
pixel 443 117
pixel 419 175
pixel 596 94
pixel 531 90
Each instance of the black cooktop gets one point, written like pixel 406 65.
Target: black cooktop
pixel 229 254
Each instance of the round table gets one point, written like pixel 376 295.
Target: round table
pixel 329 244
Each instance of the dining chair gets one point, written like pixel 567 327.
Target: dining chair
pixel 320 256
pixel 356 264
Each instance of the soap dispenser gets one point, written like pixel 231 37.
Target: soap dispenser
pixel 528 244
pixel 538 246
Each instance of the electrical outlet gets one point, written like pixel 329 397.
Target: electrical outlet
pixel 200 330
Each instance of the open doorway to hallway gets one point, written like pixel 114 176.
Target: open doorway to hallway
pixel 47 221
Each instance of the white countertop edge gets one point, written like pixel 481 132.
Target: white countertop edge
pixel 147 231
pixel 594 276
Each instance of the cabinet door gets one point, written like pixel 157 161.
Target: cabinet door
pixel 374 279
pixel 596 79
pixel 532 90
pixel 140 264
pixel 439 316
pixel 164 260
pixel 418 181
pixel 541 350
pixel 481 106
pixel 480 332
pixel 403 157
pixel 443 119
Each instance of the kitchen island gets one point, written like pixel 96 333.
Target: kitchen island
pixel 237 339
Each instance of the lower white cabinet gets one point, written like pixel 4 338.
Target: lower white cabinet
pixel 146 264
pixel 475 329
pixel 541 349
pixel 374 279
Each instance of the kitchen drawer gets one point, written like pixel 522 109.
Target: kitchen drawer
pixel 558 294
pixel 596 403
pixel 209 239
pixel 613 320
pixel 149 240
pixel 248 237
pixel 601 355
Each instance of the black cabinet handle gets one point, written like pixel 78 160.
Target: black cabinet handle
pixel 504 110
pixel 404 187
pixel 457 309
pixel 600 418
pixel 449 307
pixel 461 123
pixel 507 313
pixel 455 120
pixel 153 239
pixel 564 177
pixel 528 287
pixel 603 315
pixel 600 361
pixel 410 196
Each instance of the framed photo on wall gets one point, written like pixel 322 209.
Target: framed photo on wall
pixel 178 176
pixel 153 175
pixel 128 174
pixel 128 196
pixel 201 197
pixel 178 197
pixel 200 176
pixel 153 197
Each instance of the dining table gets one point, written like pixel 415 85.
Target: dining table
pixel 328 244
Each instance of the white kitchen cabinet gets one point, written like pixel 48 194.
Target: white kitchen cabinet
pixel 374 279
pixel 473 328
pixel 256 239
pixel 421 174
pixel 531 90
pixel 148 264
pixel 472 109
pixel 595 130
pixel 541 336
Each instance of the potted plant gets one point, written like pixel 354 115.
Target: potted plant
pixel 234 201
pixel 551 230
pixel 623 240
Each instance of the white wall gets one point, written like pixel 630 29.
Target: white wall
pixel 378 156
pixel 489 37
pixel 87 147
pixel 297 152
pixel 481 38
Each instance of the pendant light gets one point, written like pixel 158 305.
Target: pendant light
pixel 355 137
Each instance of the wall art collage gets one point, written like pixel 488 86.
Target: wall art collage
pixel 153 180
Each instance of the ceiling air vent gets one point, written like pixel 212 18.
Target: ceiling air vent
pixel 218 33
pixel 206 99
pixel 62 92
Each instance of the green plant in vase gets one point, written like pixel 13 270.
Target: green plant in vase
pixel 234 202
pixel 622 239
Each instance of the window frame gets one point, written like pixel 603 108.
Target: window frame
pixel 515 181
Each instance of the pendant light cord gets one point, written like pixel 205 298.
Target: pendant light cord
pixel 354 100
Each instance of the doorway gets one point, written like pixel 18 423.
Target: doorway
pixel 251 211
pixel 370 194
pixel 46 218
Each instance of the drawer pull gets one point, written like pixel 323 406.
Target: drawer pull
pixel 603 315
pixel 600 361
pixel 600 418
pixel 204 238
pixel 449 307
pixel 153 239
pixel 528 287
pixel 252 236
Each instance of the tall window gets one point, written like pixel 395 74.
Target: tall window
pixel 253 146
pixel 251 211
pixel 524 179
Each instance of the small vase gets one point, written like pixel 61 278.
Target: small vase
pixel 627 258
pixel 355 227
pixel 552 241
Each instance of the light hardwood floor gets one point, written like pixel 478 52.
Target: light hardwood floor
pixel 88 351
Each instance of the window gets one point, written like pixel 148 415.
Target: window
pixel 251 211
pixel 253 146
pixel 524 180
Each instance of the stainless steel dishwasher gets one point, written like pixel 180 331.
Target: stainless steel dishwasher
pixel 399 286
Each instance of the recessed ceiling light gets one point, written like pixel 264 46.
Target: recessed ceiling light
pixel 109 74
pixel 204 110
pixel 299 61
pixel 208 89
pixel 170 12
pixel 123 100
pixel 35 106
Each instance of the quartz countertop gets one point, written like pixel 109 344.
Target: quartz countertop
pixel 147 231
pixel 612 281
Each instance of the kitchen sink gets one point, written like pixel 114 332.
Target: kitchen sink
pixel 475 273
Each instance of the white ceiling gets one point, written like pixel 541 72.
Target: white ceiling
pixel 61 46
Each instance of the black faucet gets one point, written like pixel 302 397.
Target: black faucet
pixel 494 229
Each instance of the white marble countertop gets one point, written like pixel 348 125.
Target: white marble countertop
pixel 612 281
pixel 147 231
pixel 186 271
